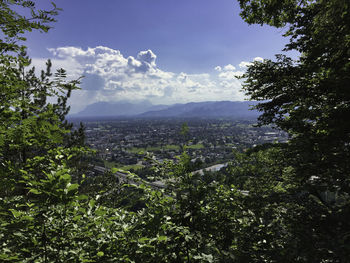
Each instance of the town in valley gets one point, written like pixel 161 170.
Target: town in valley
pixel 128 144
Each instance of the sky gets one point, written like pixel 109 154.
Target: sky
pixel 163 51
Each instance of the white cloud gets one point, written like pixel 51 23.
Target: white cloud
pixel 259 59
pixel 62 52
pixel 147 57
pixel 230 75
pixel 244 64
pixel 218 68
pixel 229 67
pixel 110 76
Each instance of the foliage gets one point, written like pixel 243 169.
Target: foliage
pixel 274 203
pixel 308 97
pixel 20 16
pixel 37 148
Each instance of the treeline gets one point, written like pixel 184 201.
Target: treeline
pixel 274 203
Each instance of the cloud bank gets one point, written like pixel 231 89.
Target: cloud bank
pixel 110 76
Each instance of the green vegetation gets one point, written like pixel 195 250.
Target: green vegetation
pixel 274 203
pixel 143 150
pixel 195 146
pixel 172 147
pixel 131 167
pixel 111 165
pixel 166 147
pixel 309 98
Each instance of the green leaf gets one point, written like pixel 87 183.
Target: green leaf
pixel 35 191
pixel 66 177
pixel 162 238
pixel 28 218
pixel 15 213
pixel 77 218
pixel 72 187
pixel 82 197
pixel 92 203
pixel 100 211
pixel 143 240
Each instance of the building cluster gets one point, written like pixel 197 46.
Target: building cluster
pixel 126 142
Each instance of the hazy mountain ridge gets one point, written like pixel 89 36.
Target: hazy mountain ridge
pixel 234 109
pixel 121 108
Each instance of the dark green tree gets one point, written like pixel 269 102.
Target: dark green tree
pixel 36 144
pixel 309 98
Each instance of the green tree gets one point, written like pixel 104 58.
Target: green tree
pixel 29 125
pixel 14 23
pixel 36 144
pixel 271 207
pixel 309 98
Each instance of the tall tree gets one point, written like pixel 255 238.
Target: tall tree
pixel 35 167
pixel 309 98
pixel 30 123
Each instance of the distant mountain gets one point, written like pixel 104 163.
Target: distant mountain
pixel 232 109
pixel 144 109
pixel 115 109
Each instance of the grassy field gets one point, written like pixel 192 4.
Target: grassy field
pixel 172 147
pixel 195 146
pixel 154 148
pixel 123 167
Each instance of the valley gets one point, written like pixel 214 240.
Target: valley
pixel 125 143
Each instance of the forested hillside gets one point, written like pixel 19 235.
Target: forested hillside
pixel 283 202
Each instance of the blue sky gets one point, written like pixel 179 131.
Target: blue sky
pixel 164 51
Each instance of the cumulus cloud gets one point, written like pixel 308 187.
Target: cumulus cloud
pixel 244 64
pixel 259 59
pixel 229 67
pixel 147 57
pixel 111 76
pixel 230 74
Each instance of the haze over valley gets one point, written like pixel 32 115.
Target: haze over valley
pixel 236 110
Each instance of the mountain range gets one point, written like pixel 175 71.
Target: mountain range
pixel 118 109
pixel 144 109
